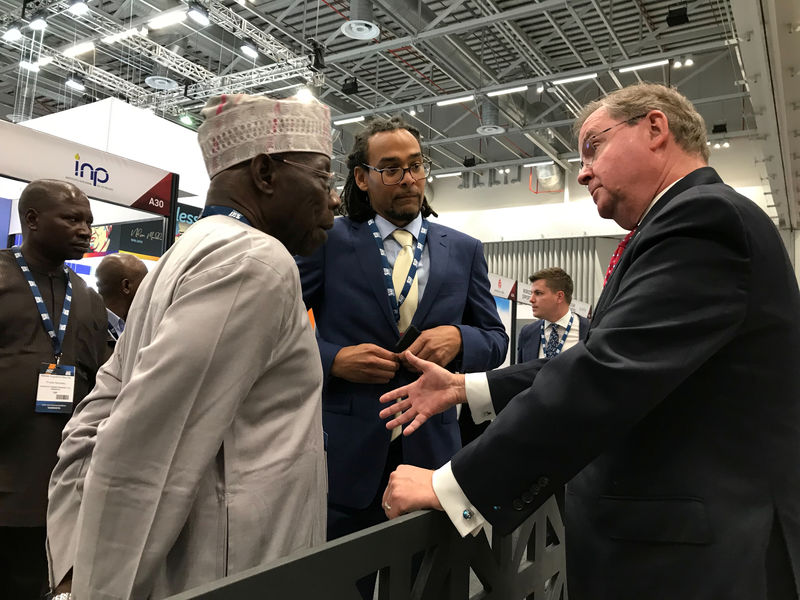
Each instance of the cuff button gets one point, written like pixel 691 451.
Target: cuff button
pixel 467 514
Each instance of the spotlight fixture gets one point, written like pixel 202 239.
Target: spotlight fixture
pixel 350 86
pixel 78 8
pixel 186 120
pixel 574 79
pixel 318 50
pixel 361 25
pixel 167 19
pixel 77 49
pixel 38 22
pixel 716 146
pixel 350 120
pixel 430 178
pixel 458 100
pixel 13 33
pixel 677 16
pixel 720 128
pixel 540 88
pixel 198 14
pixel 75 82
pixel 649 65
pixel 521 88
pixel 412 111
pixel 688 62
pixel 248 48
pixel 677 63
pixel 469 161
pixel 304 94
pixel 726 144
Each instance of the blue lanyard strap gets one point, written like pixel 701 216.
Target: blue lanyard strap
pixel 56 338
pixel 215 209
pixel 396 302
pixel 563 337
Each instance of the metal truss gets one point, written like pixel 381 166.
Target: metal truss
pixel 225 84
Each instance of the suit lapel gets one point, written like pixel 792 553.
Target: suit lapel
pixel 369 260
pixel 702 176
pixel 438 263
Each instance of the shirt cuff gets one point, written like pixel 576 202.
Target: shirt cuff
pixel 466 518
pixel 479 398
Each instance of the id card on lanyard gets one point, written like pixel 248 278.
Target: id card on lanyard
pixel 56 390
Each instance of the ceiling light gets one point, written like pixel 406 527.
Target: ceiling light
pixel 413 112
pixel 688 62
pixel 37 23
pixel 521 88
pixel 677 63
pixel 13 33
pixel 539 164
pixel 186 120
pixel 167 19
pixel 716 146
pixel 248 48
pixel 75 82
pixel 576 78
pixel 198 14
pixel 443 175
pixel 361 25
pixel 649 65
pixel 29 66
pixel 122 35
pixel 576 159
pixel 430 178
pixel 726 144
pixel 44 61
pixel 77 49
pixel 540 88
pixel 708 143
pixel 304 94
pixel 350 120
pixel 78 8
pixel 469 98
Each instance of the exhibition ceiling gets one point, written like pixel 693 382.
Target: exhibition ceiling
pixel 494 81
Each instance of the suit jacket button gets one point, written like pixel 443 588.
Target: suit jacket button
pixel 517 504
pixel 527 497
pixel 467 514
pixel 543 481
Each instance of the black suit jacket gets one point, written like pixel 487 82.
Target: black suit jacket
pixel 677 422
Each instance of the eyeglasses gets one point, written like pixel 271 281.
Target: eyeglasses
pixel 589 149
pixel 331 178
pixel 395 175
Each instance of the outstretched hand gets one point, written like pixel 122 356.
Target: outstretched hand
pixel 434 392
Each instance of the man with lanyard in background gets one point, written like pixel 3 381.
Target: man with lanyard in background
pixel 210 457
pixel 383 270
pixel 558 328
pixel 52 341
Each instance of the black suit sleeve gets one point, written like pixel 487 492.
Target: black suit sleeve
pixel 681 296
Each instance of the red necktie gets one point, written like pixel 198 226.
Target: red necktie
pixel 617 254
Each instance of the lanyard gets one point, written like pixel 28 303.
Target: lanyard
pixel 56 339
pixel 387 269
pixel 214 209
pixel 563 337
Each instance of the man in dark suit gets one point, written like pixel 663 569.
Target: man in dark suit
pixel 558 328
pixel 36 398
pixel 349 285
pixel 677 422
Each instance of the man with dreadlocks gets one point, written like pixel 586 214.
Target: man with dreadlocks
pixel 383 269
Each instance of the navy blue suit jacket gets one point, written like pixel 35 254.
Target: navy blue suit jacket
pixel 677 421
pixel 530 338
pixel 343 283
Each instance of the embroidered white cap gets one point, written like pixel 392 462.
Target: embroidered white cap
pixel 238 127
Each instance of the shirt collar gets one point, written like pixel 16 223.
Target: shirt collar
pixel 386 228
pixel 656 199
pixel 117 322
pixel 562 322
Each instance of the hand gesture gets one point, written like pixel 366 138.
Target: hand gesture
pixel 435 391
pixel 439 345
pixel 365 363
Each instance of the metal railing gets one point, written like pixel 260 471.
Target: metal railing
pixel 529 563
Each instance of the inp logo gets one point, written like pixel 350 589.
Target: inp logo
pixel 98 175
